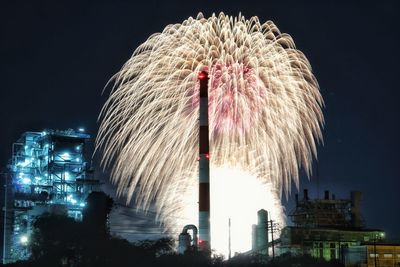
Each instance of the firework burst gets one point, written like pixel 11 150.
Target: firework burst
pixel 264 109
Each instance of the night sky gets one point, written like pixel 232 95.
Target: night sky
pixel 57 56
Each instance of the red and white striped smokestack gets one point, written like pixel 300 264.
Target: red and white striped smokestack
pixel 204 167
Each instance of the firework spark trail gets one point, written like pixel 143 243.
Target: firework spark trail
pixel 265 110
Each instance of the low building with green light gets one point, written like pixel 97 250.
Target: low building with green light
pixel 326 243
pixel 325 228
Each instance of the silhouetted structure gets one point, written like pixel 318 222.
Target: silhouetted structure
pixel 324 227
pixel 373 254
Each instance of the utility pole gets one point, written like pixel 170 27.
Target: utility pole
pixel 317 176
pixel 5 217
pixel 272 226
pixel 341 256
pixel 272 239
pixel 229 242
pixel 375 256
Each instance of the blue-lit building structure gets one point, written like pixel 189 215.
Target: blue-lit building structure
pixel 48 172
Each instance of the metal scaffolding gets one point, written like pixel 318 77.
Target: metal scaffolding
pixel 327 212
pixel 48 172
pixel 324 228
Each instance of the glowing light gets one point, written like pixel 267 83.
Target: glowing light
pixel 264 117
pixel 67 175
pixel 71 199
pixel 24 240
pixel 81 130
pixel 26 180
pixel 24 163
pixel 235 194
pixel 202 75
pixel 66 156
pixel 82 204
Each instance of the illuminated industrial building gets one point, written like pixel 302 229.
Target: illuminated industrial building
pixel 48 172
pixel 324 228
pixel 372 254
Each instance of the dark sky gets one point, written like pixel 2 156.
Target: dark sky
pixel 56 57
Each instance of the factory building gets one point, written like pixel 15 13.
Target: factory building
pixel 372 254
pixel 48 172
pixel 324 228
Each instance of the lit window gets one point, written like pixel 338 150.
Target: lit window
pixel 387 255
pixel 372 255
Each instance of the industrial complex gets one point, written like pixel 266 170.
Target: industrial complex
pixel 327 228
pixel 330 229
pixel 48 172
pixel 324 227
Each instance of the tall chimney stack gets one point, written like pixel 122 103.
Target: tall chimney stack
pixel 356 209
pixel 326 195
pixel 204 167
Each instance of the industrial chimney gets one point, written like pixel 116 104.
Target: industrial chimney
pixel 356 220
pixel 305 194
pixel 204 167
pixel 326 195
